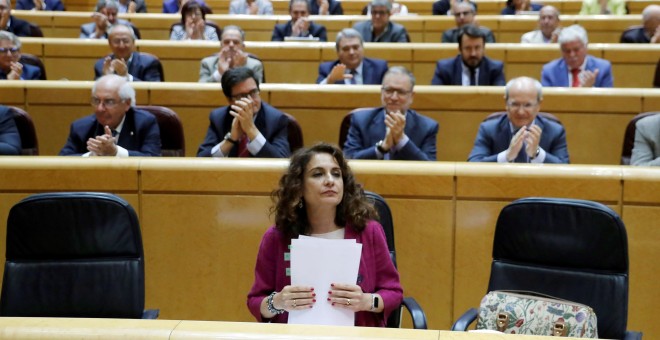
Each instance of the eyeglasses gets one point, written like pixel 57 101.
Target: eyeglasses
pixel 120 41
pixel 108 103
pixel 517 106
pixel 390 92
pixel 381 13
pixel 10 50
pixel 252 94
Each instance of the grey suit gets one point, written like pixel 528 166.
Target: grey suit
pixel 88 29
pixel 647 142
pixel 394 32
pixel 210 65
pixel 241 7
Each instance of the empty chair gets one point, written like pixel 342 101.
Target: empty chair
pixel 25 126
pixel 73 255
pixel 629 137
pixel 33 60
pixel 385 219
pixel 570 249
pixel 173 143
pixel 294 134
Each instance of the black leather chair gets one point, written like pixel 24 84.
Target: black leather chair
pixel 25 126
pixel 33 60
pixel 294 134
pixel 35 30
pixel 172 141
pixel 346 125
pixel 629 137
pixel 74 255
pixel 385 219
pixel 571 249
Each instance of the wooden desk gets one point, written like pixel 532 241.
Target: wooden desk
pixel 202 219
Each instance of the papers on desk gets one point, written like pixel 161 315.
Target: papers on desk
pixel 318 262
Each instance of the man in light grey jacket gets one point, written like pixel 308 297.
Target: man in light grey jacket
pixel 232 54
pixel 646 150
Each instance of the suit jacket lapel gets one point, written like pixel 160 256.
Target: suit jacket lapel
pixel 378 122
pixel 128 135
pixel 563 73
pixel 367 72
pixel 457 75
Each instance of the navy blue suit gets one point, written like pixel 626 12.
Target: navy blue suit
pixel 511 10
pixel 140 135
pixel 373 71
pixel 284 30
pixel 19 27
pixel 142 67
pixel 635 36
pixel 10 140
pixel 334 7
pixel 271 122
pixel 495 135
pixel 449 72
pixel 29 73
pixel 368 128
pixel 555 73
pixel 51 5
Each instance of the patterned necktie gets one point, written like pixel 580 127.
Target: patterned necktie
pixel 576 79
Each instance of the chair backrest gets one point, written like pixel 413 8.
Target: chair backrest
pixel 570 249
pixel 35 30
pixel 172 141
pixel 73 255
pixel 295 135
pixel 33 60
pixel 254 56
pixel 546 115
pixel 25 126
pixel 159 65
pixel 136 31
pixel 346 125
pixel 629 137
pixel 385 219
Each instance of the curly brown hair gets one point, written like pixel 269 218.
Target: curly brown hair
pixel 291 219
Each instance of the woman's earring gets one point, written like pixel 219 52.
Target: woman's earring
pixel 300 204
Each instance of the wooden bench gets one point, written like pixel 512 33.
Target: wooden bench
pixel 202 220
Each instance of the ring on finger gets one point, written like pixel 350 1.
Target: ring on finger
pixel 348 302
pixel 295 304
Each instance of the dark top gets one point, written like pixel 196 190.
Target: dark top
pixel 373 71
pixel 284 30
pixel 142 67
pixel 510 10
pixel 334 7
pixel 10 140
pixel 449 72
pixel 451 35
pixel 30 72
pixel 19 27
pixel 51 5
pixel 635 36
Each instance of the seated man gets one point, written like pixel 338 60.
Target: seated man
pixel 380 28
pixel 548 28
pixel 646 150
pixel 521 136
pixel 326 7
pixel 650 30
pixel 104 19
pixel 252 7
pixel 575 68
pixel 471 67
pixel 127 6
pixel 40 5
pixel 10 55
pixel 299 25
pixel 231 55
pixel 464 14
pixel 11 23
pixel 351 67
pixel 116 128
pixel 393 131
pixel 10 140
pixel 247 127
pixel 124 61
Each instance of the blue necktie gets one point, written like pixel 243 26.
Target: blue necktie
pixel 353 80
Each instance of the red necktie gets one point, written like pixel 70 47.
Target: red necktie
pixel 242 147
pixel 576 80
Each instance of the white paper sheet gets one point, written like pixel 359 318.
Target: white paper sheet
pixel 319 262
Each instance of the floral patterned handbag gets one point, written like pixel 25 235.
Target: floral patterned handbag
pixel 521 312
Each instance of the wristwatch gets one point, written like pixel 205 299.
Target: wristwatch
pixel 379 147
pixel 374 302
pixel 228 138
pixel 538 151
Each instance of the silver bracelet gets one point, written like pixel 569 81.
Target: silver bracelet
pixel 269 305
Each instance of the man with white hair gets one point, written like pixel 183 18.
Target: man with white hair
pixel 650 30
pixel 116 128
pixel 11 23
pixel 103 19
pixel 548 31
pixel 11 67
pixel 380 28
pixel 576 68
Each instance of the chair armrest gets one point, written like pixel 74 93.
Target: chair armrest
pixel 632 335
pixel 150 313
pixel 416 312
pixel 465 320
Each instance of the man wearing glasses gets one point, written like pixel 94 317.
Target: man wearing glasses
pixel 116 128
pixel 10 54
pixel 247 127
pixel 12 24
pixel 521 136
pixel 392 131
pixel 464 14
pixel 125 61
pixel 380 28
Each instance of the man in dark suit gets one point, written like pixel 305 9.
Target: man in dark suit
pixel 393 131
pixel 299 26
pixel 41 5
pixel 576 68
pixel 11 23
pixel 464 13
pixel 650 30
pixel 247 127
pixel 10 54
pixel 471 67
pixel 521 136
pixel 124 61
pixel 380 28
pixel 351 67
pixel 325 7
pixel 115 129
pixel 10 140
